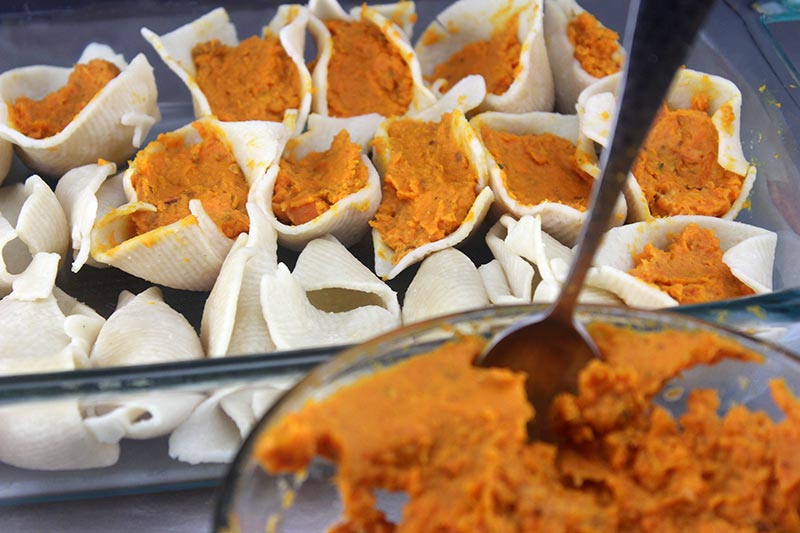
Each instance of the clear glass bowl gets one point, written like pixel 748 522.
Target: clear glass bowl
pixel 252 500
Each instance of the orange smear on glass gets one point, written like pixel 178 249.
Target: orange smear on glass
pixel 691 269
pixel 596 47
pixel 44 118
pixel 497 60
pixel 539 168
pixel 169 173
pixel 677 167
pixel 256 80
pixel 306 188
pixel 366 73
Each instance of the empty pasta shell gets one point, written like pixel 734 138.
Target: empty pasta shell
pixel 176 47
pixel 508 278
pixel 526 83
pixel 111 126
pixel 568 73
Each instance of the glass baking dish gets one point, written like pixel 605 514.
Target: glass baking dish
pixel 734 44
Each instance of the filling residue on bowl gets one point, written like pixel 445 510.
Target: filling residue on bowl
pixel 44 118
pixel 452 436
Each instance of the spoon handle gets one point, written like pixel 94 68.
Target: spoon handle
pixel 658 35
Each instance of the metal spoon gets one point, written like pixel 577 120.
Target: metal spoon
pixel 552 348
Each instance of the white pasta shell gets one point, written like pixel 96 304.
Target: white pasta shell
pixel 749 251
pixel 6 148
pixel 515 286
pixel 343 302
pixel 596 107
pixel 145 330
pixel 324 10
pixel 175 49
pixel 86 194
pixel 569 76
pixel 446 282
pixel 402 14
pixel 111 126
pixel 469 21
pixel 559 220
pixel 188 253
pixel 232 322
pixel 348 219
pixel 385 266
pixel 217 426
pixel 31 222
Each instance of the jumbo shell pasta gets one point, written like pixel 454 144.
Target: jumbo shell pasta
pixel 569 75
pixel 176 47
pixel 447 113
pixel 467 22
pixel 508 278
pixel 398 43
pixel 596 110
pixel 31 222
pixel 188 253
pixel 347 219
pixel 111 126
pixel 559 219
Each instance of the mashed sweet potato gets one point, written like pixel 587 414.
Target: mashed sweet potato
pixel 366 73
pixel 169 173
pixel 44 118
pixel 596 47
pixel 255 80
pixel 496 59
pixel 677 167
pixel 428 188
pixel 452 436
pixel 690 269
pixel 305 188
pixel 539 168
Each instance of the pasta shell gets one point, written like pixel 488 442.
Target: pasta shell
pixel 233 323
pixel 470 21
pixel 559 220
pixel 509 279
pixel 749 251
pixel 31 222
pixel 386 263
pixel 446 282
pixel 569 76
pixel 347 219
pixel 175 49
pixel 596 107
pixel 342 303
pixel 188 253
pixel 6 148
pixel 325 10
pixel 111 126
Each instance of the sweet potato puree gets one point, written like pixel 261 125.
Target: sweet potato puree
pixel 677 167
pixel 428 188
pixel 539 168
pixel 169 173
pixel 596 47
pixel 690 269
pixel 306 188
pixel 255 80
pixel 366 73
pixel 44 118
pixel 452 436
pixel 496 59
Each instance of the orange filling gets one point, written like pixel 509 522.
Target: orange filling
pixel 366 73
pixel 497 60
pixel 691 269
pixel 596 47
pixel 458 446
pixel 44 118
pixel 677 167
pixel 169 173
pixel 308 187
pixel 539 168
pixel 255 80
pixel 429 186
